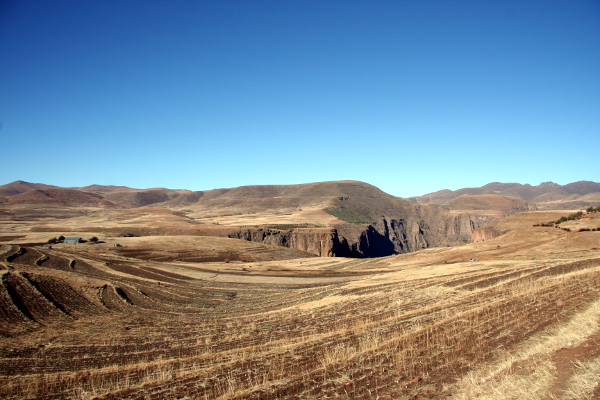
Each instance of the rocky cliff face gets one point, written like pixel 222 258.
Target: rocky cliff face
pixel 381 238
pixel 319 241
pixel 396 236
pixel 486 233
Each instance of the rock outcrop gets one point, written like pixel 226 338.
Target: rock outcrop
pixel 486 233
pixel 382 238
pixel 319 241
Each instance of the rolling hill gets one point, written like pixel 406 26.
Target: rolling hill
pixel 57 196
pixel 547 195
pixel 18 187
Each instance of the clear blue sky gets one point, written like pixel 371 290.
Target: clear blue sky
pixel 410 96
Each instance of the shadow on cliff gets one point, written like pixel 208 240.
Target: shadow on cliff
pixel 371 243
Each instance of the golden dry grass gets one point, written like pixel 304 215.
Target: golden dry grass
pixel 422 325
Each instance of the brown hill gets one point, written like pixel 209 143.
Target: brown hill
pixel 141 198
pixel 120 195
pixel 132 198
pixel 582 187
pixel 53 197
pixel 547 195
pixel 506 205
pixel 103 189
pixel 257 197
pixel 18 187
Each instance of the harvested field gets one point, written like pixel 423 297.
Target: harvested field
pixel 89 321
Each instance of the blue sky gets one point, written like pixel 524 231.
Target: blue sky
pixel 410 96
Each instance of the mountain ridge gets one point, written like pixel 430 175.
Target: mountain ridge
pixel 547 195
pixel 525 191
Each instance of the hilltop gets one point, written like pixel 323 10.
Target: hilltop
pixel 546 195
pixel 57 197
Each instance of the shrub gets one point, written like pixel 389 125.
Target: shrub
pixel 571 217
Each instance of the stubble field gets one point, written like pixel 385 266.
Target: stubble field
pixel 155 320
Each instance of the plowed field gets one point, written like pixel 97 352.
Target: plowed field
pixel 81 324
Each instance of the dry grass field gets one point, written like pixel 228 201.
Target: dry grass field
pixel 196 317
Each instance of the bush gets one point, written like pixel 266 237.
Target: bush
pixel 571 217
pixel 52 241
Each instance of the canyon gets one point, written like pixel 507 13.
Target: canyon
pixel 334 219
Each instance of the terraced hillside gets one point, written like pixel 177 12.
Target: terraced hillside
pixel 520 322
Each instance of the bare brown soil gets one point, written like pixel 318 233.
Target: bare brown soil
pixel 11 238
pixel 170 317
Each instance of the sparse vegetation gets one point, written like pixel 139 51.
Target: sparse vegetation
pixel 346 215
pixel 570 217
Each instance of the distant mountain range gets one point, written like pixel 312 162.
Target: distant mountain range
pixel 547 195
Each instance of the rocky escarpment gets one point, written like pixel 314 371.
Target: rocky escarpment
pixel 395 236
pixel 319 241
pixel 486 233
pixel 401 229
pixel 385 237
